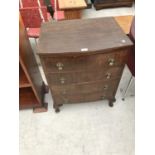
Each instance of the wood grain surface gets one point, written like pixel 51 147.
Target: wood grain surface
pixel 81 36
pixel 31 86
pixel 72 4
pixel 83 60
pixel 100 4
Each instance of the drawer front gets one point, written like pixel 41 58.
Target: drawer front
pixel 66 78
pixel 79 98
pixel 100 86
pixel 84 62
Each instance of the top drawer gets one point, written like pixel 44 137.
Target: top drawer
pixel 84 62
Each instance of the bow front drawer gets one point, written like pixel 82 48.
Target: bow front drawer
pixel 66 78
pixel 84 62
pixel 89 87
pixel 77 98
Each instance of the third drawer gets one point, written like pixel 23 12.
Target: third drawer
pixel 90 87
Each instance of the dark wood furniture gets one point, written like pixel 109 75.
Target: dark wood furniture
pixel 100 4
pixel 127 23
pixel 131 63
pixel 83 60
pixel 31 86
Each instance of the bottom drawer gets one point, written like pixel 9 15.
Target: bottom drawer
pixel 85 88
pixel 89 97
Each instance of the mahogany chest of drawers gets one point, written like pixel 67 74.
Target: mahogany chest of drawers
pixel 83 60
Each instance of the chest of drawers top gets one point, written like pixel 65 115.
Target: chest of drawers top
pixel 81 36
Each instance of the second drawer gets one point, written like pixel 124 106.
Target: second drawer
pixel 82 77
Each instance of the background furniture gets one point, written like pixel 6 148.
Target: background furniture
pixel 72 8
pixel 100 4
pixel 131 61
pixel 31 86
pixel 31 3
pixel 32 19
pixel 33 13
pixel 89 4
pixel 83 66
pixel 127 23
pixel 58 14
pixel 124 22
pixel 49 7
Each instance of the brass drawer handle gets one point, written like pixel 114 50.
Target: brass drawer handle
pixel 111 62
pixel 59 66
pixel 108 75
pixel 105 87
pixel 62 80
